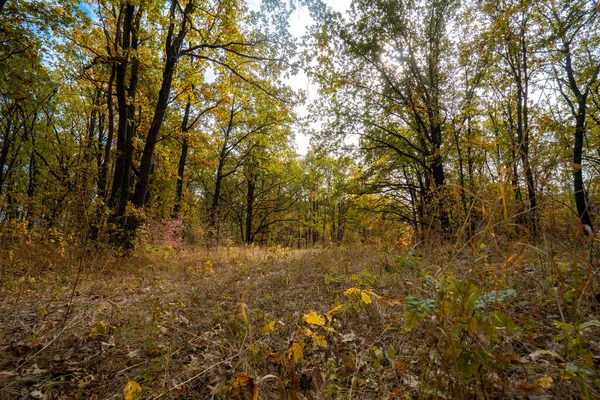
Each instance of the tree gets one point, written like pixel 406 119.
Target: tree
pixel 393 79
pixel 575 64
pixel 512 33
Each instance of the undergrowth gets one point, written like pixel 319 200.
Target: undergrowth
pixel 276 323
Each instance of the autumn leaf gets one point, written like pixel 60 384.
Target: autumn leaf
pixel 132 391
pixel 313 318
pixel 99 329
pixel 243 388
pixel 319 340
pixel 329 314
pixel 365 298
pixel 296 352
pixel 267 329
pixel 545 382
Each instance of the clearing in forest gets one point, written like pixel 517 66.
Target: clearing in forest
pixel 275 323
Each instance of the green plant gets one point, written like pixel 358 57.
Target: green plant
pixel 465 323
pixel 402 263
pixel 580 368
pixel 366 280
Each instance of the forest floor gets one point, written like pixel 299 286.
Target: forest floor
pixel 273 323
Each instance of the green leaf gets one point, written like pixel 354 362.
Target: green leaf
pixel 590 323
pixel 575 369
pixel 505 321
pixel 495 296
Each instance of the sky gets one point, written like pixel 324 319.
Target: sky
pixel 300 20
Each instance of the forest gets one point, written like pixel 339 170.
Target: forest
pixel 299 199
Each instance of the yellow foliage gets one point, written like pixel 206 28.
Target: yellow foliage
pixel 99 329
pixel 132 391
pixel 267 329
pixel 313 318
pixel 296 352
pixel 545 382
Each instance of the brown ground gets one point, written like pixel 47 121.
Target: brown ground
pixel 230 323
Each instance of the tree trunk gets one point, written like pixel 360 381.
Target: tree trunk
pixel 172 53
pixel 6 143
pixel 121 168
pixel 103 176
pixel 249 209
pixel 580 194
pixel 182 160
pixel 439 178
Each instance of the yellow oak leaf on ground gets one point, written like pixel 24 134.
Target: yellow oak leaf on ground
pixel 132 391
pixel 314 319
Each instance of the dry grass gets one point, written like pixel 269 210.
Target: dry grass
pixel 173 322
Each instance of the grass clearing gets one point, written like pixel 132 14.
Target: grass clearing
pixel 286 324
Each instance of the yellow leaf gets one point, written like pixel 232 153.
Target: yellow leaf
pixel 296 352
pixel 101 308
pixel 545 382
pixel 314 319
pixel 319 340
pixel 270 327
pixel 244 388
pixel 132 391
pixel 330 313
pixel 99 329
pixel 365 298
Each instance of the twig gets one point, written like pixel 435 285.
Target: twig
pixel 79 268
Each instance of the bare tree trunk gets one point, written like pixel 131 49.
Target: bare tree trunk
pixel 182 160
pixel 250 208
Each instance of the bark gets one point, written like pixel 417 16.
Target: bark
pixel 250 209
pixel 103 176
pixel 439 178
pixel 6 143
pixel 182 160
pixel 580 193
pixel 131 124
pixel 522 79
pixel 121 168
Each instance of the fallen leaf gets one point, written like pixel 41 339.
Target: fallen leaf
pixel 243 388
pixel 35 370
pixel 545 382
pixel 313 318
pixel 296 352
pixel 267 329
pixel 132 391
pixel 329 314
pixel 319 340
pixel 133 353
pixel 365 298
pixel 99 329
